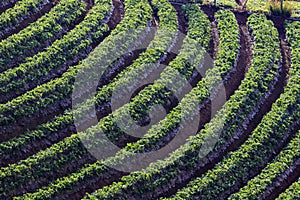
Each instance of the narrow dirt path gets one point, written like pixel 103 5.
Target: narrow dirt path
pixel 112 21
pixel 170 56
pixel 254 118
pixel 286 178
pixel 215 41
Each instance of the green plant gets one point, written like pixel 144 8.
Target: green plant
pixel 39 33
pixel 280 8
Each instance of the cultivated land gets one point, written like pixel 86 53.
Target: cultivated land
pixel 225 75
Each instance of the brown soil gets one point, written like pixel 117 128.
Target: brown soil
pixel 118 14
pixel 284 46
pixel 57 72
pixel 242 4
pixel 265 105
pixel 171 55
pixel 56 137
pixel 183 24
pixel 89 5
pixel 214 41
pixel 231 85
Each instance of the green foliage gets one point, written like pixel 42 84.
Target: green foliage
pixel 98 167
pixel 60 88
pixel 137 16
pixel 22 10
pixel 41 32
pixel 256 186
pixel 15 81
pixel 259 184
pixel 158 174
pixel 235 166
pixel 227 123
pixel 275 9
pixel 293 34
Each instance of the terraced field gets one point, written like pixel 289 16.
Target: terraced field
pixel 148 99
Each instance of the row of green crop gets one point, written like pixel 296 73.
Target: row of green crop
pixel 86 173
pixel 77 42
pixel 256 186
pixel 13 17
pixel 40 33
pixel 31 102
pixel 137 15
pixel 292 31
pixel 254 153
pixel 292 193
pixel 229 44
pixel 264 6
pixel 161 174
pixel 146 64
pixel 157 48
pixel 93 24
pixel 41 97
pixel 223 3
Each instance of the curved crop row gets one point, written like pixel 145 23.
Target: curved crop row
pixel 36 101
pixel 138 13
pixel 237 166
pixel 85 173
pixel 185 159
pixel 292 31
pixel 258 185
pixel 161 133
pixel 37 69
pixel 147 62
pixel 23 10
pixel 156 50
pixel 102 148
pixel 17 47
